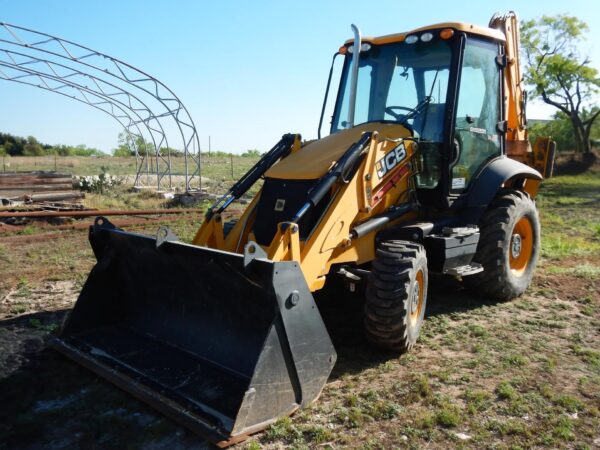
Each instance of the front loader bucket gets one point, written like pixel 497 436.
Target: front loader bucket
pixel 221 342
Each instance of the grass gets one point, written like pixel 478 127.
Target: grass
pixel 519 374
pixel 36 323
pixel 570 213
pixel 506 391
pixel 448 416
pixel 559 246
pixel 477 400
pixel 585 270
pixel 214 167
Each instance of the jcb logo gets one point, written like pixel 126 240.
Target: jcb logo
pixel 390 160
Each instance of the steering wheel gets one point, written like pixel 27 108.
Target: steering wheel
pixel 390 110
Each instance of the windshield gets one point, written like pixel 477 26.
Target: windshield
pixel 399 82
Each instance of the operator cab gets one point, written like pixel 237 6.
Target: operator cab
pixel 443 83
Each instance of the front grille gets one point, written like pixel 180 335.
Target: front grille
pixel 279 201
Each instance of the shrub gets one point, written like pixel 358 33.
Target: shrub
pixel 98 183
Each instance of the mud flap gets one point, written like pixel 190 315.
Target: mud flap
pixel 221 342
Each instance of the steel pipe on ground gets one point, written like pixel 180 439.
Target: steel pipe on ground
pixel 100 212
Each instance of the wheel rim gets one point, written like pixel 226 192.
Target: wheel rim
pixel 416 301
pixel 521 246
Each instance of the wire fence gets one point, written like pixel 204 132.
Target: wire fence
pixel 215 168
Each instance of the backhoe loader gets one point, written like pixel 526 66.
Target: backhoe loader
pixel 427 168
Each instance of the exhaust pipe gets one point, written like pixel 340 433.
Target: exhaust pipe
pixel 354 80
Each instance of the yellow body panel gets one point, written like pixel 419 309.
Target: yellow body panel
pixel 352 204
pixel 459 26
pixel 317 157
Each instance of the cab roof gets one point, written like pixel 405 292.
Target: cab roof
pixel 458 26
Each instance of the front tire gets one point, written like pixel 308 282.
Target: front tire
pixel 396 295
pixel 508 248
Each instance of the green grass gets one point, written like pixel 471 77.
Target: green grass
pixel 563 428
pixel 28 230
pixel 588 355
pixel 588 271
pixel 558 246
pixel 477 400
pixel 23 288
pixel 36 323
pixel 569 403
pixel 507 427
pixel 4 254
pixel 215 167
pixel 506 391
pixel 508 374
pixel 570 213
pixel 449 416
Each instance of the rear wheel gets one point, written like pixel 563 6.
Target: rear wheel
pixel 508 247
pixel 396 295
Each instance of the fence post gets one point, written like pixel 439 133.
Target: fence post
pixel 231 159
pixel 55 162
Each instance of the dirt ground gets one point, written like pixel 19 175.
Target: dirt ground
pixel 519 374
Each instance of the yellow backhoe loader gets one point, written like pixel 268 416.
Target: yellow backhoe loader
pixel 427 169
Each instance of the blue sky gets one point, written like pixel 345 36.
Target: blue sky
pixel 247 71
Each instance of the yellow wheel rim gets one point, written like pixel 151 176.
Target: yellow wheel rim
pixel 521 246
pixel 416 304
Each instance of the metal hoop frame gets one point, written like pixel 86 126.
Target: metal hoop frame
pixel 146 108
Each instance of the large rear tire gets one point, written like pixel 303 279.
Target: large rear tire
pixel 508 248
pixel 396 295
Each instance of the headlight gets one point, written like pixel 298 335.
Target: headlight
pixel 411 39
pixel 426 37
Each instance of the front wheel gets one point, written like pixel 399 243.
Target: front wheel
pixel 508 248
pixel 396 295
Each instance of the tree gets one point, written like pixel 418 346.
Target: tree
pixel 252 153
pixel 32 147
pixel 7 148
pixel 559 73
pixel 122 151
pixel 129 142
pixel 559 128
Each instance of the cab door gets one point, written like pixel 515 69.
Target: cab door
pixel 477 136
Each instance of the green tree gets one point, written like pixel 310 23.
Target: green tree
pixel 171 151
pixel 9 148
pixel 559 73
pixel 122 151
pixel 252 153
pixel 559 129
pixel 33 147
pixel 129 142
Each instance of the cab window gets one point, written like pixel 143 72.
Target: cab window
pixel 476 137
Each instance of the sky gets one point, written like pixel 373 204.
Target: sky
pixel 248 72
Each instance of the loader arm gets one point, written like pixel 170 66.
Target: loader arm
pixel 541 156
pixel 353 192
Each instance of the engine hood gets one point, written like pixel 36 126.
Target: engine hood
pixel 315 158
